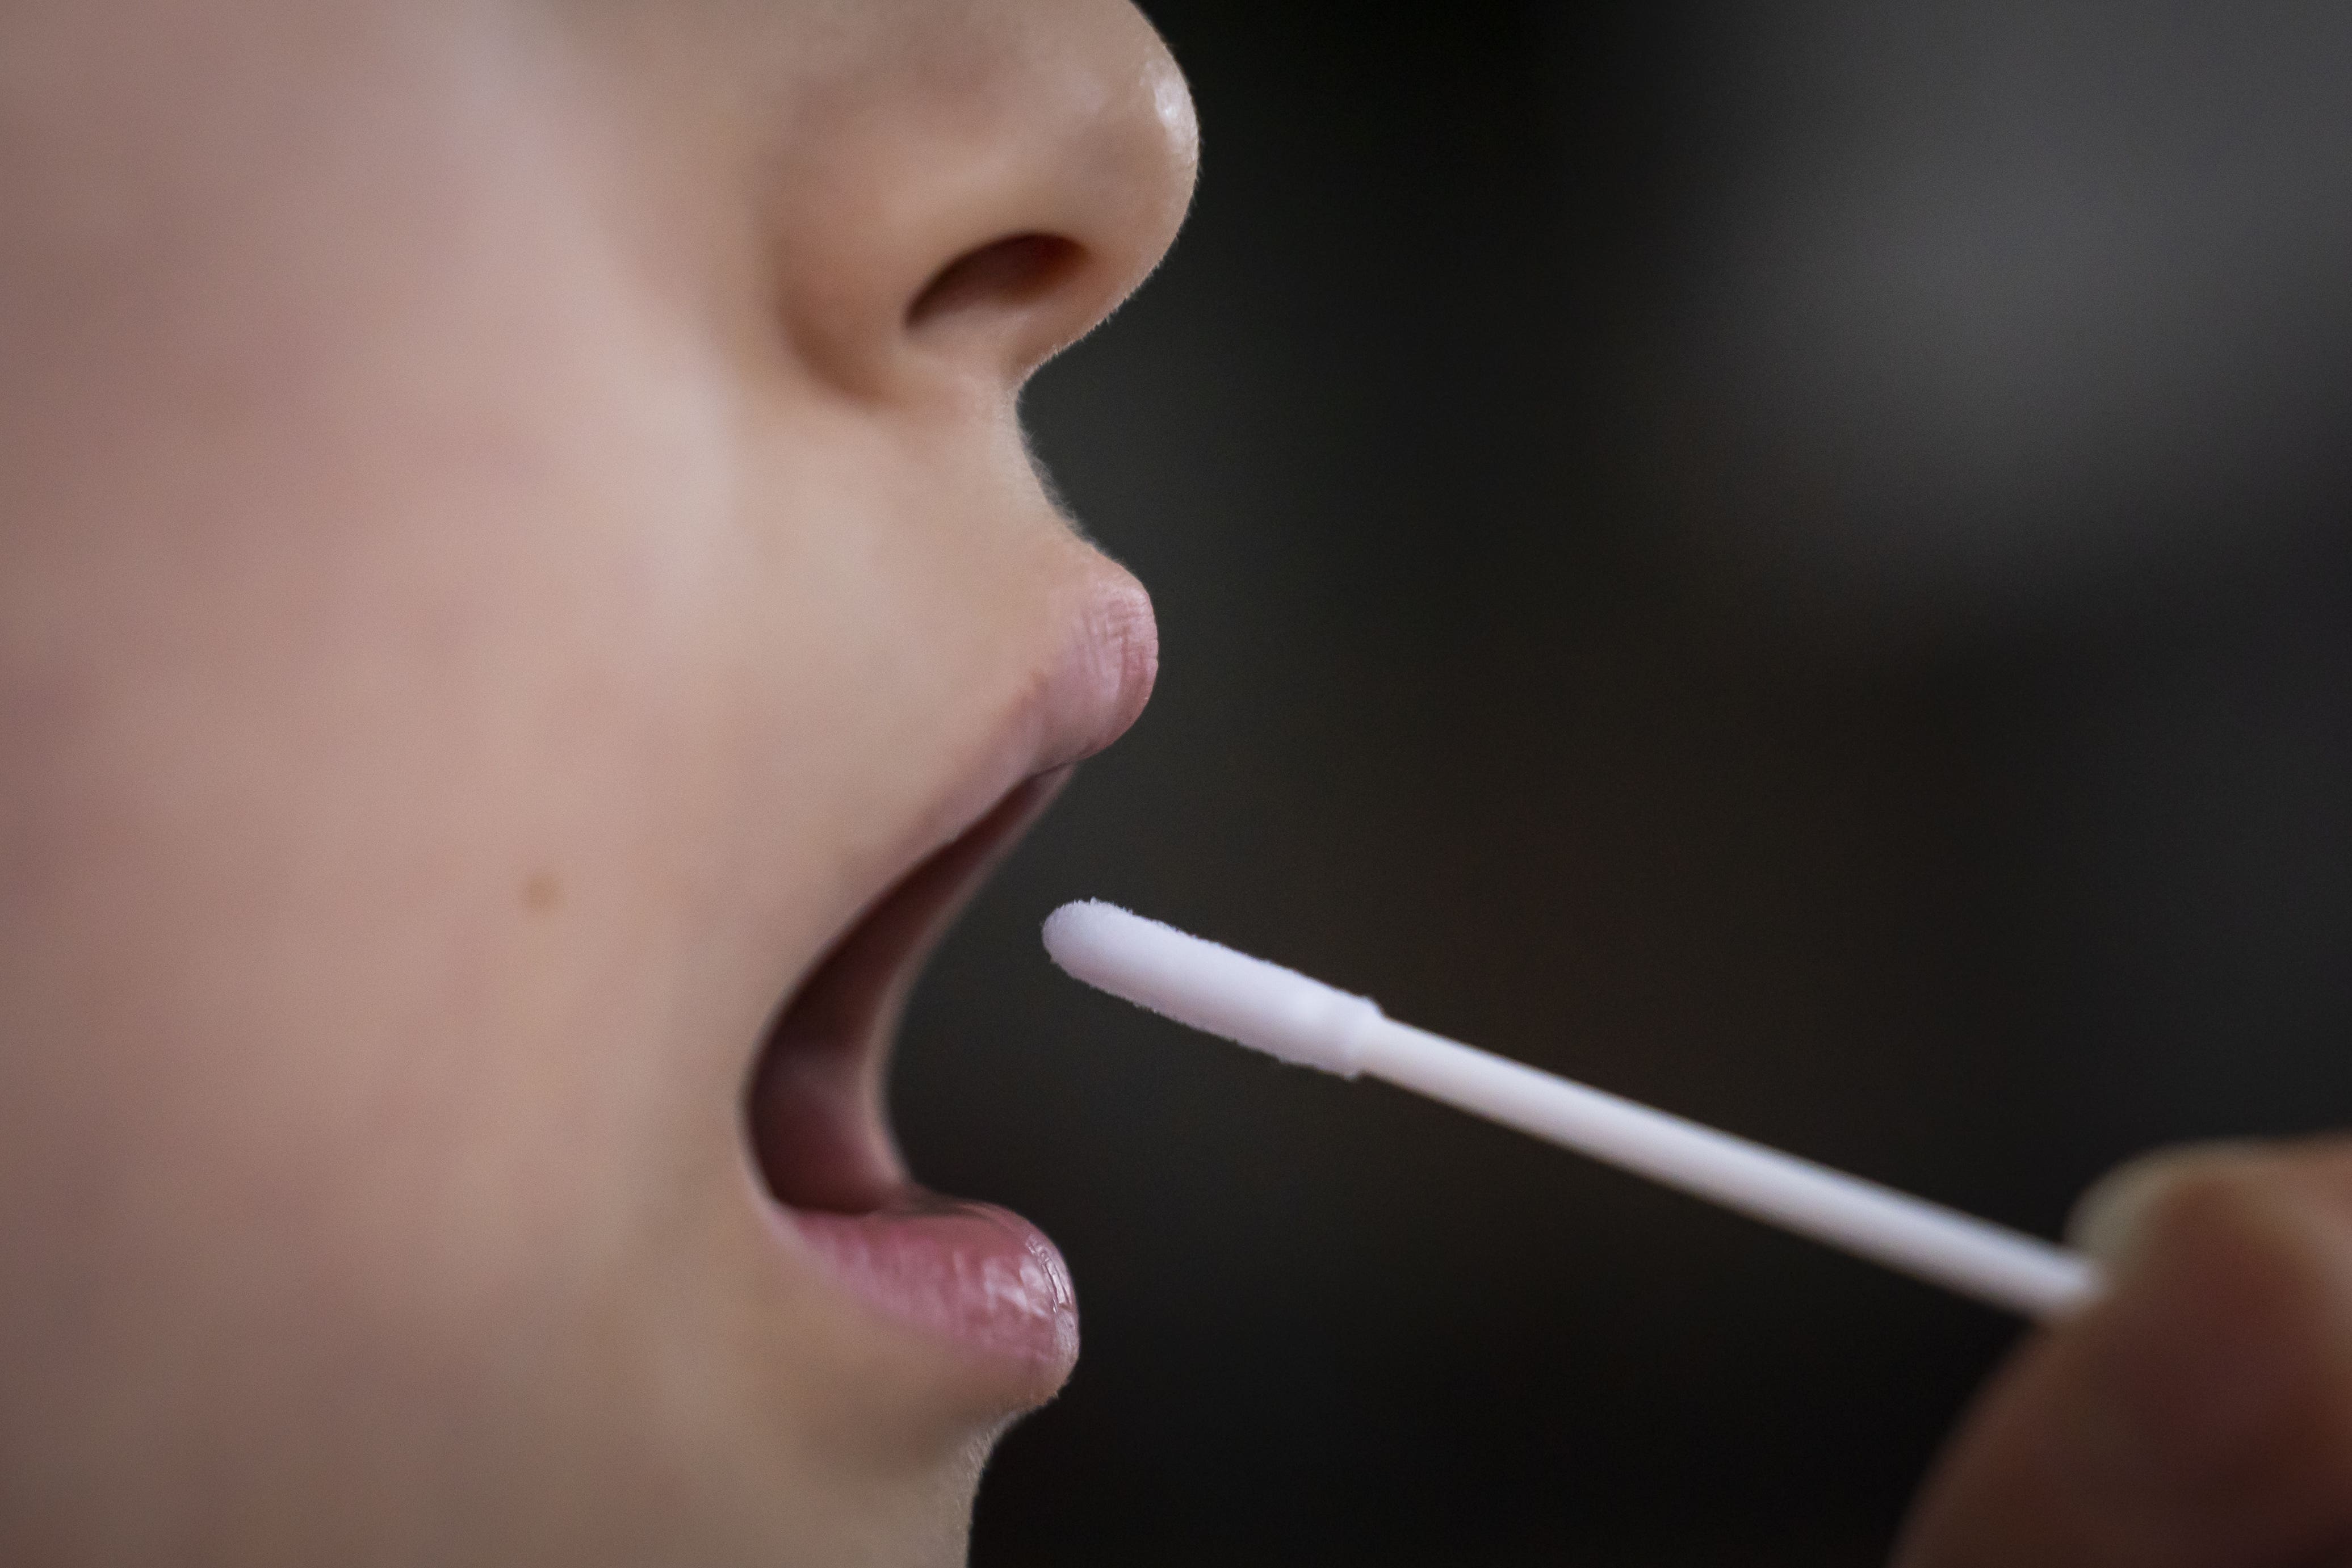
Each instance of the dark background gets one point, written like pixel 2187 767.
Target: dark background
pixel 1790 561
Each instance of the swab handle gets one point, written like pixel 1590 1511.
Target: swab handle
pixel 1974 1258
pixel 1211 988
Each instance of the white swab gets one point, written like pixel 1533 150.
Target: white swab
pixel 1286 1015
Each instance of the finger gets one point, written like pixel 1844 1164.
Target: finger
pixel 2199 1415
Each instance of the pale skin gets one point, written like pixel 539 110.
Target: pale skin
pixel 498 570
pixel 514 533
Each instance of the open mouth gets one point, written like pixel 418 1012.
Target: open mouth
pixel 816 1121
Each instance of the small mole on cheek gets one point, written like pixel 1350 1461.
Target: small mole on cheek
pixel 542 893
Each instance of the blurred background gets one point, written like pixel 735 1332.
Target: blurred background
pixel 1790 561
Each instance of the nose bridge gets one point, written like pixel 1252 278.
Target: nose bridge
pixel 979 185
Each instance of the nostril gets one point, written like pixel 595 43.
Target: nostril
pixel 1004 274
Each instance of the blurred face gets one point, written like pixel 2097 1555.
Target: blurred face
pixel 522 607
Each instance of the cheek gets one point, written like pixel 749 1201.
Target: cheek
pixel 355 703
pixel 419 854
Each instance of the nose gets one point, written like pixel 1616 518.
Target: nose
pixel 975 184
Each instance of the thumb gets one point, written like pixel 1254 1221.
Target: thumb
pixel 2198 1413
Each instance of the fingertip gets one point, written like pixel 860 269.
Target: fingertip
pixel 2211 1400
pixel 2199 1411
pixel 2111 1219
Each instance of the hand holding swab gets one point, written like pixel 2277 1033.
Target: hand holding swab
pixel 1304 1021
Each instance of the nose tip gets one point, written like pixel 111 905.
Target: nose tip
pixel 1011 176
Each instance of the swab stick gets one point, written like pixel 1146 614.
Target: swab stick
pixel 1286 1014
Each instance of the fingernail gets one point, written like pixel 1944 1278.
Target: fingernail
pixel 2108 1219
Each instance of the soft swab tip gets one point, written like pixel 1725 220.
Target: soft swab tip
pixel 1211 988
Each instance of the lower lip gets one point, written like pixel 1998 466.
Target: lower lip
pixel 973 1273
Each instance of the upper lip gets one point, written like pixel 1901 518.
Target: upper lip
pixel 815 1103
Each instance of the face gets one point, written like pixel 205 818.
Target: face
pixel 523 607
